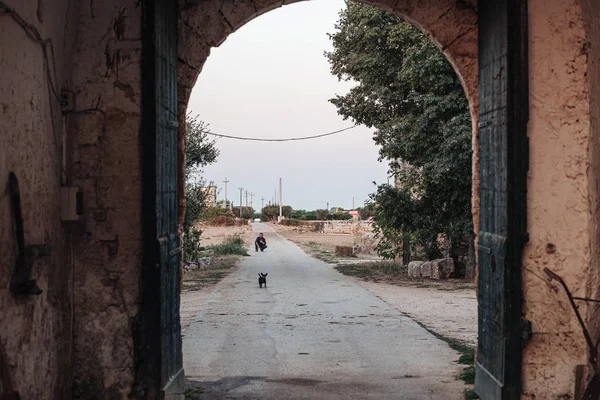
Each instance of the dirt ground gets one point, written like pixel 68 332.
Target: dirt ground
pixel 321 245
pixel 451 313
pixel 215 234
pixel 197 285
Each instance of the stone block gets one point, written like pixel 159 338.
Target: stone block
pixel 426 269
pixel 442 268
pixel 414 269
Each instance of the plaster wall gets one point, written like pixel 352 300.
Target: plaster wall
pixel 560 197
pixel 36 331
pixel 591 16
pixel 104 145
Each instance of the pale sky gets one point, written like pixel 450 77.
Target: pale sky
pixel 270 79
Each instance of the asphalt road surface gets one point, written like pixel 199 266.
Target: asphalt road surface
pixel 311 334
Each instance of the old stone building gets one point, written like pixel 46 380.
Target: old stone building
pixel 93 103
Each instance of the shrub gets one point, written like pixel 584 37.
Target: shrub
pixel 270 213
pixel 365 212
pixel 248 213
pixel 222 220
pixel 291 222
pixel 234 240
pixel 311 216
pixel 322 214
pixel 191 244
pixel 232 245
pixel 340 216
pixel 213 212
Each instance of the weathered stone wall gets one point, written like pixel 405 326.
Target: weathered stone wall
pixel 560 196
pixel 347 227
pixel 105 151
pixel 35 331
pixel 91 282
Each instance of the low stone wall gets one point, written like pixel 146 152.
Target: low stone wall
pixel 342 227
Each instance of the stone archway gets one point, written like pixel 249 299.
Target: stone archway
pixel 451 25
pixel 80 330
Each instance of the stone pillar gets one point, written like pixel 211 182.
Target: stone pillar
pixel 559 208
pixel 105 163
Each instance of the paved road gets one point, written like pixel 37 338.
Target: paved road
pixel 312 334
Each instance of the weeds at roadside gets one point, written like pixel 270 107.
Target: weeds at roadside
pixel 192 393
pixel 468 375
pixel 225 257
pixel 394 273
pixel 233 245
pixel 426 286
pixel 451 289
pixel 315 250
pixel 372 270
pixel 467 357
pixel 199 279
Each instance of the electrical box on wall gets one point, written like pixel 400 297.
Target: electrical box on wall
pixel 71 201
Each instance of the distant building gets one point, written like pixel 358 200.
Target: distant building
pixel 210 195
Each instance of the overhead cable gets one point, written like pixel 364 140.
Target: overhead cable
pixel 281 139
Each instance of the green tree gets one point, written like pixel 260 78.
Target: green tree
pixel 248 213
pixel 298 214
pixel 408 92
pixel 365 213
pixel 270 213
pixel 340 216
pixel 322 214
pixel 200 151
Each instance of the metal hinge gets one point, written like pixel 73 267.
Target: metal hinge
pixel 67 101
pixel 526 330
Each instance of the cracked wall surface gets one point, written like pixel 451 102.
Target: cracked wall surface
pixel 35 331
pixel 105 163
pixel 75 340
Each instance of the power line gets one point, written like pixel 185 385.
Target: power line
pixel 282 139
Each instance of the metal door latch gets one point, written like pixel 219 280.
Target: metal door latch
pixel 20 283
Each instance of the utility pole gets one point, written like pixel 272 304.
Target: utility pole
pixel 226 181
pixel 246 199
pixel 262 204
pixel 251 199
pixel 327 206
pixel 280 199
pixel 241 189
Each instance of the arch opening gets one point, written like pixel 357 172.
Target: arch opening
pixel 190 73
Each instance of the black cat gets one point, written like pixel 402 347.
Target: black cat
pixel 262 279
